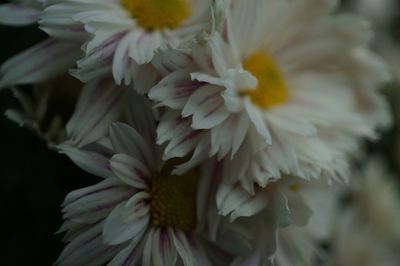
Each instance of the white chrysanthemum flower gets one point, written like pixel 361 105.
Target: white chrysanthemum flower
pixel 368 232
pixel 124 34
pixel 141 203
pixel 140 214
pixel 284 87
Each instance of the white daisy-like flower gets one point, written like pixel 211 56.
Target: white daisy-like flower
pixel 283 87
pixel 141 213
pixel 124 34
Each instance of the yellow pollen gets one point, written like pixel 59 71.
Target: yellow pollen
pixel 271 89
pixel 173 199
pixel 295 187
pixel 158 14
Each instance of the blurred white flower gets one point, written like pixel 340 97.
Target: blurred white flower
pixel 368 232
pixel 380 12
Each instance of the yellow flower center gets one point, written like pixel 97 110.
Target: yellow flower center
pixel 271 88
pixel 173 199
pixel 158 14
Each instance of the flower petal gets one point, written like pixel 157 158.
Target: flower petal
pixel 116 230
pixel 87 248
pixel 90 161
pixel 42 62
pixel 98 106
pixel 206 106
pixel 126 140
pixel 88 205
pixel 130 170
pixel 14 14
pixel 182 246
pixel 164 252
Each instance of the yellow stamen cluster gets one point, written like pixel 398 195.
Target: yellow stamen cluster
pixel 271 89
pixel 173 199
pixel 158 14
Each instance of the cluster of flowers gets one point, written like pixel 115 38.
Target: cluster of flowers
pixel 216 126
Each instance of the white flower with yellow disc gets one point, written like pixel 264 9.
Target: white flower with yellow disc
pixel 283 87
pixel 120 35
pixel 141 213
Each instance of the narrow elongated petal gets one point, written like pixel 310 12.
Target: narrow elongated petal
pixel 42 62
pixel 88 205
pixel 90 161
pixel 130 170
pixel 127 140
pixel 118 230
pixel 99 105
pixel 206 107
pixel 182 246
pixel 18 14
pixel 87 249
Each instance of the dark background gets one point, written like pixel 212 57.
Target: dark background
pixel 33 179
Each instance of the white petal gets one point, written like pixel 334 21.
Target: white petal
pixel 127 140
pixel 87 248
pixel 174 90
pixel 175 129
pixel 88 205
pixel 129 256
pixel 143 46
pixel 258 121
pixel 147 251
pixel 206 107
pixel 164 252
pixel 121 61
pixel 18 14
pixel 117 231
pixel 90 161
pixel 233 200
pixel 130 170
pixel 182 246
pixel 99 105
pixel 141 117
pixel 42 62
